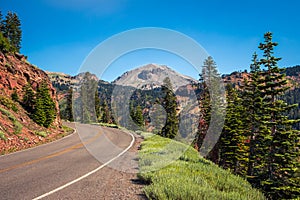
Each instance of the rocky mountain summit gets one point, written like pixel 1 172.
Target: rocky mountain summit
pixel 151 76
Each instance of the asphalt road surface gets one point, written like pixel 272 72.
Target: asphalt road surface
pixel 68 168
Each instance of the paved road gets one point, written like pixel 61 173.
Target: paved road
pixel 34 172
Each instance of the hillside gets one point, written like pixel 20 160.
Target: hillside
pixel 176 171
pixel 17 129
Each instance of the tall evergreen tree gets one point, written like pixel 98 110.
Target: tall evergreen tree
pixel 274 146
pixel 233 150
pixel 139 119
pixel 28 100
pixel 97 105
pixel 44 111
pixel 283 141
pixel 68 114
pixel 88 87
pixel 205 108
pixel 171 126
pixel 255 128
pixel 212 103
pixel 12 30
pixel 106 115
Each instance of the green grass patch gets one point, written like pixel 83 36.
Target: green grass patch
pixel 107 125
pixel 67 129
pixel 176 171
pixel 17 125
pixel 41 133
pixel 8 103
pixel 2 136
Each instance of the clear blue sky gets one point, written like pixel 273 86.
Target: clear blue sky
pixel 59 34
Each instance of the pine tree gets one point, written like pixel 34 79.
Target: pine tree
pixel 15 96
pixel 69 107
pixel 273 144
pixel 97 105
pixel 233 150
pixel 39 115
pixel 12 30
pixel 44 111
pixel 253 120
pixel 106 116
pixel 88 87
pixel 139 119
pixel 283 152
pixel 204 105
pixel 212 103
pixel 28 100
pixel 171 126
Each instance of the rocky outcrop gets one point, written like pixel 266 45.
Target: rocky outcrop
pixel 17 130
pixel 16 72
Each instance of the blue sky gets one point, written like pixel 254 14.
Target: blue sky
pixel 59 34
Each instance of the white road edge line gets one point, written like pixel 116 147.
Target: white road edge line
pixel 89 173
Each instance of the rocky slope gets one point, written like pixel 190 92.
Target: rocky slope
pixel 151 76
pixel 17 130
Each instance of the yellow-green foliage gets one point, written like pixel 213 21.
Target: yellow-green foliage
pixel 41 133
pixel 2 136
pixel 8 103
pixel 176 171
pixel 17 126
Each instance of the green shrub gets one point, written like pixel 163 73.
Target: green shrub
pixel 176 171
pixel 41 133
pixel 8 103
pixel 2 136
pixel 67 129
pixel 17 126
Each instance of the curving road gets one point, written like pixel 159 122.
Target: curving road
pixel 65 169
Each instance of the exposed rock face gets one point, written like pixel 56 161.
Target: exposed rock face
pixel 151 76
pixel 17 130
pixel 16 72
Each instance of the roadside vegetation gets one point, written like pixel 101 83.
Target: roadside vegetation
pixel 187 177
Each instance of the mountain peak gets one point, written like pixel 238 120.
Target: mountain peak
pixel 151 76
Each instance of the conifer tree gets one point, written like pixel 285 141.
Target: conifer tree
pixel 88 87
pixel 44 111
pixel 12 30
pixel 279 181
pixel 170 128
pixel 254 105
pixel 15 96
pixel 139 119
pixel 273 147
pixel 212 103
pixel 106 115
pixel 69 107
pixel 28 100
pixel 97 105
pixel 204 104
pixel 233 150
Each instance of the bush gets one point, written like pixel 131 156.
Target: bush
pixel 2 136
pixel 41 133
pixel 176 171
pixel 8 103
pixel 17 126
